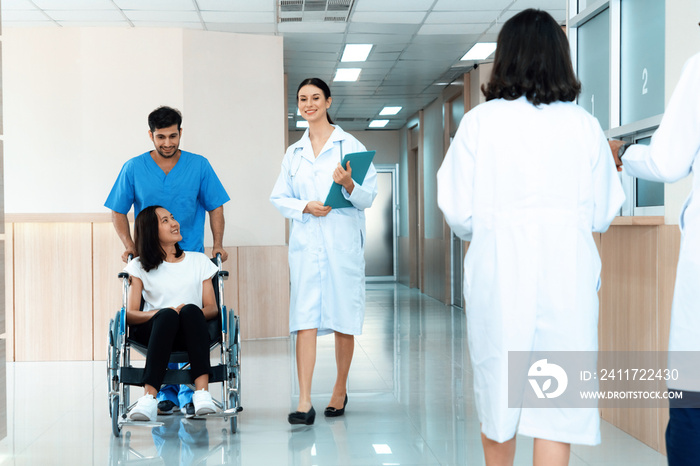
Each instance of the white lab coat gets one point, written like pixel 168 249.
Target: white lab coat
pixel 527 185
pixel 672 155
pixel 326 254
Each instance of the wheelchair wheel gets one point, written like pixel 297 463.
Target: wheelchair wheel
pixel 114 412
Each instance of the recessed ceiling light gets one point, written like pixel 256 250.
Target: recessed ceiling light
pixel 390 110
pixel 302 124
pixel 378 123
pixel 356 52
pixel 347 74
pixel 480 51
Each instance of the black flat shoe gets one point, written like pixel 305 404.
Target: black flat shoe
pixel 333 412
pixel 297 417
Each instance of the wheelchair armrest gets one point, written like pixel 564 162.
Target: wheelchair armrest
pixel 223 274
pixel 123 275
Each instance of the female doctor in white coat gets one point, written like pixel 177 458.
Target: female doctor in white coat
pixel 326 246
pixel 527 178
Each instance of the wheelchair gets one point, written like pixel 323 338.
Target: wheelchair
pixel 224 333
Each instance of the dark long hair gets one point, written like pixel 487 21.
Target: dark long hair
pixel 148 248
pixel 320 83
pixel 532 59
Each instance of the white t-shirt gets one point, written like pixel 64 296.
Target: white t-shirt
pixel 173 283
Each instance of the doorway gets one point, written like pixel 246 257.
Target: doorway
pixel 381 221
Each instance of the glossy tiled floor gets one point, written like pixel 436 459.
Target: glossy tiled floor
pixel 410 403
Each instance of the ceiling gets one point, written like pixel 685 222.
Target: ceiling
pixel 417 49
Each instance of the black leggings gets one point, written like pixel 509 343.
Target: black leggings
pixel 168 331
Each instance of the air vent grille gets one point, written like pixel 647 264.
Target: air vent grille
pixel 294 11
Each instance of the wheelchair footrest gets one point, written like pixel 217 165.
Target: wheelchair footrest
pixel 134 375
pixel 141 423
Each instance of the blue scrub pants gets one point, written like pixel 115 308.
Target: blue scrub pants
pixel 683 430
pixel 178 394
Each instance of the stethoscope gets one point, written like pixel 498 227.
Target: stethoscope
pixel 297 156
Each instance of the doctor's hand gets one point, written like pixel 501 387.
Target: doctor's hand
pixel 317 209
pixel 344 177
pixel 615 147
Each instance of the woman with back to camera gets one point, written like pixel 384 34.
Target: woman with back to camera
pixel 326 246
pixel 178 299
pixel 527 178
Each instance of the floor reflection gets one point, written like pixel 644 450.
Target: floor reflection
pixel 410 403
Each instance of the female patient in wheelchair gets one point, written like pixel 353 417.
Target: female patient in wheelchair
pixel 179 298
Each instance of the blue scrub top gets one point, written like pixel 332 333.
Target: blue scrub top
pixel 189 191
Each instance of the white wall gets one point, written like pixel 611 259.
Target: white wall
pixel 682 42
pixel 76 106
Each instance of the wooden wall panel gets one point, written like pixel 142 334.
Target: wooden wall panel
pixel 629 307
pixel 263 275
pixel 669 248
pixel 9 294
pixel 53 291
pixel 107 288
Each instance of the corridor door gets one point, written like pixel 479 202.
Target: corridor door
pixel 381 218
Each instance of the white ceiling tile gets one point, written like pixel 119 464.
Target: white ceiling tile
pixel 247 28
pixel 17 5
pixel 151 5
pixel 23 15
pixel 455 17
pixel 98 16
pixel 312 27
pixel 454 28
pixel 27 24
pixel 406 17
pixel 540 4
pixel 93 24
pixel 393 5
pixel 168 24
pixel 386 29
pixel 237 5
pixel 162 16
pixel 74 4
pixel 475 5
pixel 238 17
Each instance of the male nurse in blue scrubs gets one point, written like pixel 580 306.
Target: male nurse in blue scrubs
pixel 186 185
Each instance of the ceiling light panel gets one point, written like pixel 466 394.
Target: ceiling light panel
pixel 442 29
pixel 356 52
pixel 347 74
pixel 480 51
pixel 378 123
pixel 313 10
pixel 390 110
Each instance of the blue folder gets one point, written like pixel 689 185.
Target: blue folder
pixel 359 162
